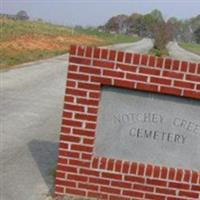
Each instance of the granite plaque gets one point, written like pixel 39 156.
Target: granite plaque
pixel 149 128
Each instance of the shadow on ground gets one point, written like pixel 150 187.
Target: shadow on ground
pixel 45 155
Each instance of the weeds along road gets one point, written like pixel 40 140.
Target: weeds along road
pixel 176 51
pixel 31 107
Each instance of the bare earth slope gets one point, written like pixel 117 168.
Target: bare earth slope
pixel 30 114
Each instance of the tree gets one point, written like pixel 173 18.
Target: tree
pixel 157 15
pixel 22 15
pixel 195 22
pixel 131 22
pixel 162 35
pixel 144 25
pixel 148 25
pixel 197 35
pixel 172 20
pixel 138 27
pixel 175 26
pixel 150 22
pixel 116 24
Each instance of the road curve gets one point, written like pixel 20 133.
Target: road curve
pixel 176 51
pixel 30 114
pixel 142 46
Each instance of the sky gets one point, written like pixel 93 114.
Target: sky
pixel 97 12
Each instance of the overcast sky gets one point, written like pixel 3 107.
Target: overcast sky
pixel 97 12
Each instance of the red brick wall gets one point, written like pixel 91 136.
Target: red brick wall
pixel 78 171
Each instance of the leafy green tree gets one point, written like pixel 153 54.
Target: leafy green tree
pixel 145 26
pixel 116 24
pixel 22 15
pixel 172 20
pixel 139 27
pixel 175 26
pixel 150 22
pixel 157 15
pixel 197 35
pixel 131 22
pixel 195 22
pixel 183 30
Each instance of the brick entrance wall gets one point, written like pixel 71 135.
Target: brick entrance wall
pixel 78 171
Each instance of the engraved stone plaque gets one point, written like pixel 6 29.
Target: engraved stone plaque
pixel 149 128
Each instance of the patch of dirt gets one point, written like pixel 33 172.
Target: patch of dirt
pixel 33 42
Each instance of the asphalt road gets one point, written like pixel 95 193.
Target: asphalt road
pixel 176 51
pixel 30 114
pixel 30 107
pixel 142 46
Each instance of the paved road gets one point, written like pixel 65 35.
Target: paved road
pixel 30 114
pixel 30 107
pixel 142 46
pixel 176 51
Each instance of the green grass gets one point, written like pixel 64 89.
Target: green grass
pixel 194 48
pixel 108 37
pixel 15 28
pixel 9 58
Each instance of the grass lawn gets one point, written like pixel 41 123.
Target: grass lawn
pixel 108 37
pixel 24 41
pixel 194 48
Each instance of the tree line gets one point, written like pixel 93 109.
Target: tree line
pixel 153 25
pixel 21 15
